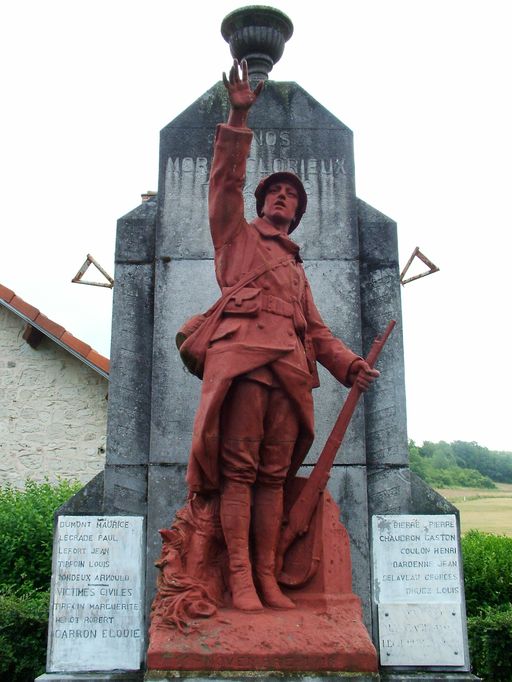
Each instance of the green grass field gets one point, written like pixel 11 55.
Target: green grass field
pixel 485 510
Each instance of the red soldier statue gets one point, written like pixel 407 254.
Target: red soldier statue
pixel 254 424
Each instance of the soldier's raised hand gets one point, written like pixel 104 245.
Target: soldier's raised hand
pixel 241 96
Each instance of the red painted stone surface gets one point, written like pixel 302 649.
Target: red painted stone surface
pixel 324 632
pixel 304 639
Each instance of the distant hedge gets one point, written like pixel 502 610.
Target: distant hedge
pixel 488 587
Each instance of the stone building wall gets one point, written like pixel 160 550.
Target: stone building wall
pixel 53 410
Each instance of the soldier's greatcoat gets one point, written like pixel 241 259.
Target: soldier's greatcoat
pixel 271 330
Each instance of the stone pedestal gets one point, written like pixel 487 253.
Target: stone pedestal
pixel 325 631
pixel 136 676
pixel 306 638
pixel 252 676
pixel 275 676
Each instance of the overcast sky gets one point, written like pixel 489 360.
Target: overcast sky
pixel 425 86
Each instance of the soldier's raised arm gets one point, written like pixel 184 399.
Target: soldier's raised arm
pixel 232 144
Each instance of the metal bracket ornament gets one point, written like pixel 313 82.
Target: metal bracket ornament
pixel 77 279
pixel 417 254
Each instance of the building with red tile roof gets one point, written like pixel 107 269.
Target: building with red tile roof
pixel 53 406
pixel 40 324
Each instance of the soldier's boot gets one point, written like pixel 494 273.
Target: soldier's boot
pixel 267 518
pixel 235 517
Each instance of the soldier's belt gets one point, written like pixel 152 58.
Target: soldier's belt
pixel 275 305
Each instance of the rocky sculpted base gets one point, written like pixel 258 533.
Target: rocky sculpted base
pixel 324 636
pixel 325 632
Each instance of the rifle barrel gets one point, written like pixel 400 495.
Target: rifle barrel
pixel 302 510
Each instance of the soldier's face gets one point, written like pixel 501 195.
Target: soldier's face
pixel 280 206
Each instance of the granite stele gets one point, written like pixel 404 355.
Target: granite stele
pixel 404 538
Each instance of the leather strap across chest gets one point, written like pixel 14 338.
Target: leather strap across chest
pixel 227 292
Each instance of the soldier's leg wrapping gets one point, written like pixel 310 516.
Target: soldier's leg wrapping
pixel 281 431
pixel 241 431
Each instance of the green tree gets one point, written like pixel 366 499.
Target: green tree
pixel 437 465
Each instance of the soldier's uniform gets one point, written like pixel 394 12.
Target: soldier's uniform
pixel 254 424
pixel 271 334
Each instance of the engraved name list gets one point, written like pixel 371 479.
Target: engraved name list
pixel 96 597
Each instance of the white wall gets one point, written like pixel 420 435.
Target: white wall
pixel 53 410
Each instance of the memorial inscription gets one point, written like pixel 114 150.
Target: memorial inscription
pixel 258 166
pixel 270 153
pixel 417 587
pixel 421 629
pixel 96 598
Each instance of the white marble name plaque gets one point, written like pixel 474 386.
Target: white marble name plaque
pixel 418 590
pixel 96 612
pixel 416 559
pixel 430 633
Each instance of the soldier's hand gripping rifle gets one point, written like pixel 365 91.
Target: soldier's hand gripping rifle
pixel 304 506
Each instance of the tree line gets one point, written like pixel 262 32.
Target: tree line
pixel 460 464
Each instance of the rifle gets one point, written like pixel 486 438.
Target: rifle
pixel 304 506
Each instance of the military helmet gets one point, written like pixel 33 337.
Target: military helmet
pixel 282 176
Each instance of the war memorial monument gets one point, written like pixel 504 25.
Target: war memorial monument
pixel 225 538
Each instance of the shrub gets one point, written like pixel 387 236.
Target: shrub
pixel 490 643
pixel 23 633
pixel 487 570
pixel 26 530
